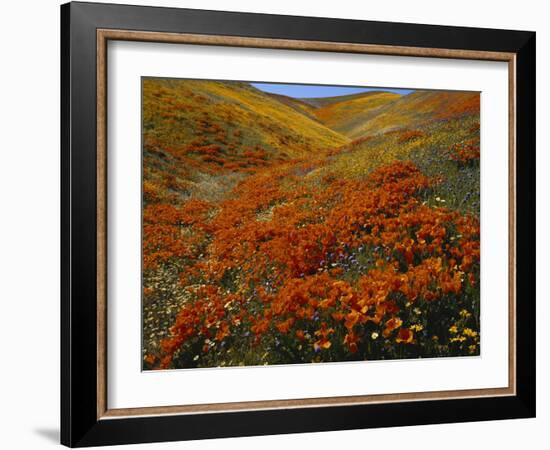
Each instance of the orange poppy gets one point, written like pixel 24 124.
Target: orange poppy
pixel 405 336
pixel 284 326
pixel 393 324
pixel 351 319
pixel 351 340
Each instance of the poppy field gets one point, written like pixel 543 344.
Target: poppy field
pixel 284 230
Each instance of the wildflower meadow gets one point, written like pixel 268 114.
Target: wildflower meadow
pixel 280 229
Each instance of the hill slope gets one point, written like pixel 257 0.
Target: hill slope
pixel 351 112
pixel 296 104
pixel 321 102
pixel 185 109
pixel 413 110
pixel 196 127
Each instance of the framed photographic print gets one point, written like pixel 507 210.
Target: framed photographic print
pixel 276 224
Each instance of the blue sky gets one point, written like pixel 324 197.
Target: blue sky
pixel 312 91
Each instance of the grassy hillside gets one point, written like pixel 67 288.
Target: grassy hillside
pixel 352 112
pixel 415 109
pixel 199 135
pixel 321 102
pixel 297 104
pixel 447 150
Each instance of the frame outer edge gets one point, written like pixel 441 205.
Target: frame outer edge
pixel 79 423
pixel 65 389
pixel 79 228
pixel 526 223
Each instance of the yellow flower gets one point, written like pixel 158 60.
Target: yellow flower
pixel 453 329
pixel 417 327
pixel 469 332
pixel 464 313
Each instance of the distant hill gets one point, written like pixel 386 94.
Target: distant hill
pixel 320 102
pixel 347 113
pixel 297 104
pixel 413 110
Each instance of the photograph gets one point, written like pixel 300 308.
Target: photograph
pixel 286 223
